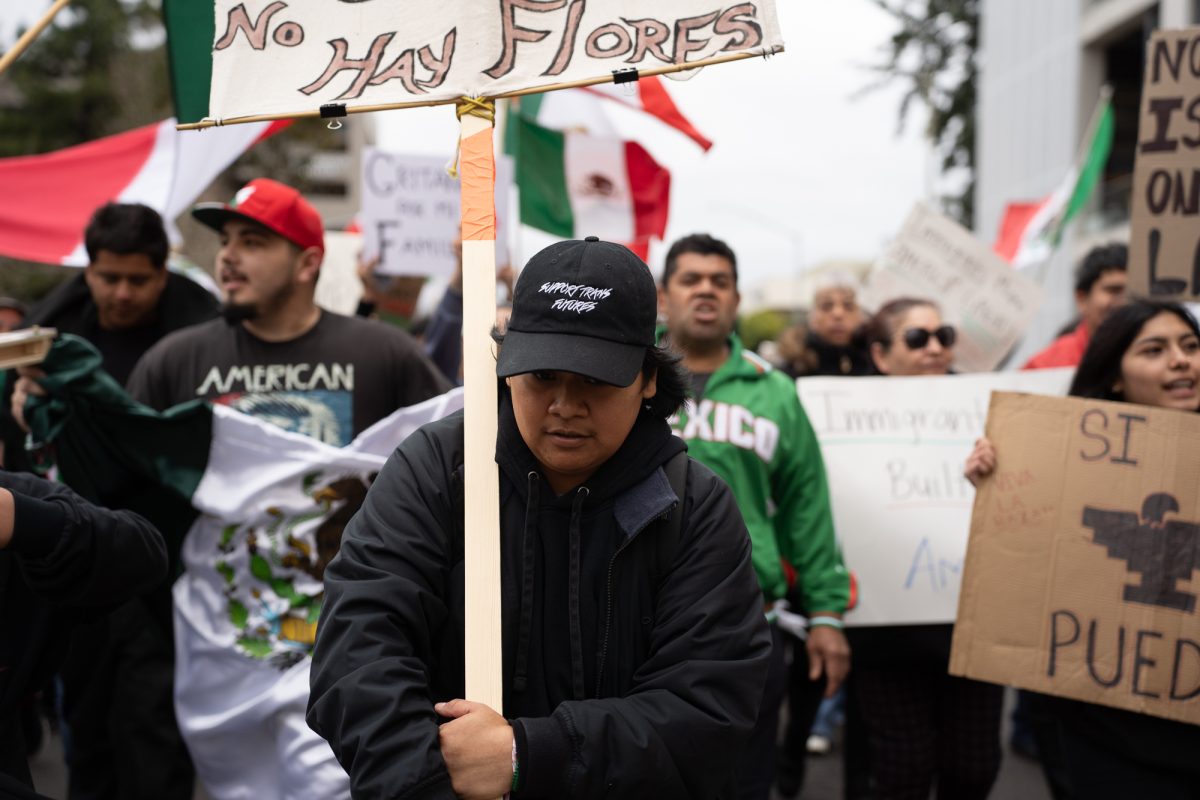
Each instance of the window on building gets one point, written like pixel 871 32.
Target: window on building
pixel 1124 58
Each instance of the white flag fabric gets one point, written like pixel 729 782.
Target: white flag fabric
pixel 273 506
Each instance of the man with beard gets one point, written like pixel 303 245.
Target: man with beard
pixel 275 354
pixel 746 424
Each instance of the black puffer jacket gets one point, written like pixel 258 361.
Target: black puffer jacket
pixel 633 664
pixel 67 561
pixel 71 309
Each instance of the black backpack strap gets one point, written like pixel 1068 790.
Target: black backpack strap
pixel 668 537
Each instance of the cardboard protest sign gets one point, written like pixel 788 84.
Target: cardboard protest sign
pixel 288 57
pixel 411 212
pixel 934 257
pixel 1164 242
pixel 1083 568
pixel 894 450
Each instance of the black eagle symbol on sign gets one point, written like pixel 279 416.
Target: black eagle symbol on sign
pixel 1164 552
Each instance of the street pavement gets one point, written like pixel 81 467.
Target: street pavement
pixel 1020 778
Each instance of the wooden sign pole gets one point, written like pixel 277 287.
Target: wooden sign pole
pixel 481 541
pixel 27 38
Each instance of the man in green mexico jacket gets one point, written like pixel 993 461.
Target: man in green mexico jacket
pixel 746 424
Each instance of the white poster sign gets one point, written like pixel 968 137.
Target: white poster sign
pixel 338 287
pixel 989 302
pixel 894 449
pixel 290 56
pixel 411 213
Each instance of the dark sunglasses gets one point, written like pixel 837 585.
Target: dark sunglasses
pixel 916 338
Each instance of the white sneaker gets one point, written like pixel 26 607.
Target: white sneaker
pixel 818 745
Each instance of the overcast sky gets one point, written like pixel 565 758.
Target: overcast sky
pixel 800 171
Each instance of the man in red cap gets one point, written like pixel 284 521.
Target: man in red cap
pixel 277 356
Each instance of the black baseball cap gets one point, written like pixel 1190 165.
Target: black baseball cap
pixel 586 307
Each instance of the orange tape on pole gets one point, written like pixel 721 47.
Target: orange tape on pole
pixel 478 171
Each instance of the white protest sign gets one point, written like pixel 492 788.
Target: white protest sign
pixel 935 258
pixel 338 287
pixel 293 56
pixel 410 212
pixel 894 450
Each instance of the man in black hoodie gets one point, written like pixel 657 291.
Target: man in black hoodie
pixel 61 560
pixel 117 675
pixel 126 299
pixel 635 648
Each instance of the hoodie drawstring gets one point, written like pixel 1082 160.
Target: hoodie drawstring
pixel 573 590
pixel 520 677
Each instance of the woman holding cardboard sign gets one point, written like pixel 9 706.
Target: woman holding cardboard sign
pixel 924 726
pixel 1147 353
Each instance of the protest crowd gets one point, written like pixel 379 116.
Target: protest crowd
pixel 236 551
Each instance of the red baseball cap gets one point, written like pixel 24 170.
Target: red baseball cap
pixel 272 205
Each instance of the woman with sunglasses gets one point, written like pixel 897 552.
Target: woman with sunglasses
pixel 1146 352
pixel 924 726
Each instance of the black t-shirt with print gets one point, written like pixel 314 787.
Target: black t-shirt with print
pixel 330 383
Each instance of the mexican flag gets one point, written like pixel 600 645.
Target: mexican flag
pixel 574 184
pixel 585 109
pixel 49 198
pixel 256 512
pixel 191 29
pixel 252 514
pixel 1031 231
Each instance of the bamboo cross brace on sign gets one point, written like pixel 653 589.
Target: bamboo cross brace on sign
pixel 337 110
pixel 273 61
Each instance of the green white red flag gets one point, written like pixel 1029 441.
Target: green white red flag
pixel 48 198
pixel 573 185
pixel 1031 231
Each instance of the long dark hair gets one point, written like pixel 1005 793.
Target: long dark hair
pixel 673 384
pixel 1100 369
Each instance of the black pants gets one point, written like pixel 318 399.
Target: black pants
pixel 1097 773
pixel 1111 754
pixel 14 768
pixel 123 742
pixel 927 727
pixel 804 700
pixel 756 767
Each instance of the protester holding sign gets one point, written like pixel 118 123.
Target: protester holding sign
pixel 635 647
pixel 924 726
pixel 1147 353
